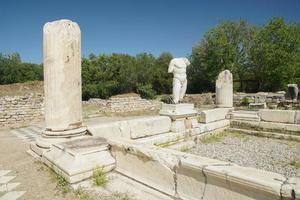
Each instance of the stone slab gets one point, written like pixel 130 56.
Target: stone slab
pixel 76 160
pixel 281 116
pixel 207 116
pixel 133 128
pixel 213 125
pixel 235 182
pixel 146 165
pixel 148 126
pixel 175 111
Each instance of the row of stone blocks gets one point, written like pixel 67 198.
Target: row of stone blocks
pixel 179 175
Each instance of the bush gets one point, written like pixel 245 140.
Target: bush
pixel 245 101
pixel 146 91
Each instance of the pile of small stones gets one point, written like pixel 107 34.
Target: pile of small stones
pixel 280 156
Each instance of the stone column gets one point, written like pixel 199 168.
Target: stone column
pixel 224 90
pixel 62 81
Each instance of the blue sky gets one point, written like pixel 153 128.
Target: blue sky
pixel 130 26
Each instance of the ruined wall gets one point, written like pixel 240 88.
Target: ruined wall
pixel 200 99
pixel 18 111
pixel 125 103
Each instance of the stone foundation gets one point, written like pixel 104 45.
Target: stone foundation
pixel 19 111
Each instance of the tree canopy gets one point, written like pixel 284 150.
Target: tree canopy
pixel 261 58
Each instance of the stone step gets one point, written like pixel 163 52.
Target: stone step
pixel 8 187
pixel 13 195
pixel 162 139
pixel 245 115
pixel 6 179
pixel 267 134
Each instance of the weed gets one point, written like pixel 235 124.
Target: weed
pixel 82 194
pixel 99 178
pixel 295 164
pixel 184 149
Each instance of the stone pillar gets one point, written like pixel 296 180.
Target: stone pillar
pixel 62 81
pixel 224 90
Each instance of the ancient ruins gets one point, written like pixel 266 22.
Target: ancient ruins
pixel 148 153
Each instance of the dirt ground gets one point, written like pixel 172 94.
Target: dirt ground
pixel 37 180
pixel 19 89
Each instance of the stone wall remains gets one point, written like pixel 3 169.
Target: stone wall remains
pixel 130 103
pixel 16 111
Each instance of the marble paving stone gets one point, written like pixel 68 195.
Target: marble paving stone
pixel 13 195
pixel 6 179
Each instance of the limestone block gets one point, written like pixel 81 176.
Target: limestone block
pixel 282 116
pixel 133 128
pixel 75 160
pixel 178 126
pixel 191 181
pixel 297 117
pixel 147 126
pixel 146 165
pixel 110 129
pixel 214 125
pixel 207 116
pixel 235 183
pixel 176 111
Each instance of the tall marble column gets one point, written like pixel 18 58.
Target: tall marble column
pixel 224 90
pixel 62 80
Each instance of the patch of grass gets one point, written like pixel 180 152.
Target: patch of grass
pixel 295 164
pixel 184 149
pixel 99 177
pixel 61 184
pixel 81 194
pixel 121 196
pixel 218 137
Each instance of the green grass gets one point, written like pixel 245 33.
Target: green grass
pixel 218 137
pixel 184 149
pixel 81 194
pixel 295 164
pixel 99 177
pixel 61 184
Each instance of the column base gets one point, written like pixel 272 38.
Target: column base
pixel 54 137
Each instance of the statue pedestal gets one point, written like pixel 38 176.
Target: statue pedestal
pixel 184 116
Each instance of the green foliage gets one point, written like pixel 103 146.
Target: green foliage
pixel 264 58
pixel 82 194
pixel 261 58
pixel 107 75
pixel 146 91
pixel 295 164
pixel 99 178
pixel 12 70
pixel 245 101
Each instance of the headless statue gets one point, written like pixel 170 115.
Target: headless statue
pixel 178 66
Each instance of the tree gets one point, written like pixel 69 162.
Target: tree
pixel 275 55
pixel 224 47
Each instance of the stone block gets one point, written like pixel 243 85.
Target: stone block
pixel 214 125
pixel 297 117
pixel 281 116
pixel 148 126
pixel 235 183
pixel 146 165
pixel 133 128
pixel 76 160
pixel 176 111
pixel 191 181
pixel 207 116
pixel 178 126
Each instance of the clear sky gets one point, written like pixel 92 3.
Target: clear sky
pixel 130 26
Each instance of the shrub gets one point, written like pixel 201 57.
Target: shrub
pixel 146 91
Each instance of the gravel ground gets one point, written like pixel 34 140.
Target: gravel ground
pixel 280 156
